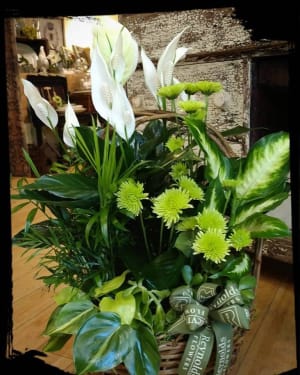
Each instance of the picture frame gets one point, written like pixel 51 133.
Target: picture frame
pixel 52 29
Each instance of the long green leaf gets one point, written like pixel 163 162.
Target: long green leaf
pixel 217 164
pixel 66 185
pixel 263 226
pixel 266 167
pixel 258 206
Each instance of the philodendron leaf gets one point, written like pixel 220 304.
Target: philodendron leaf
pixel 144 358
pixel 56 342
pixel 68 318
pixel 263 226
pixel 102 343
pixel 69 294
pixel 123 304
pixel 266 167
pixel 110 285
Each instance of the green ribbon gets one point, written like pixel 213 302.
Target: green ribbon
pixel 208 324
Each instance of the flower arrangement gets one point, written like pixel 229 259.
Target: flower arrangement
pixel 147 227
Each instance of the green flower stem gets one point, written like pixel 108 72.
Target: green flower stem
pixel 57 137
pixel 171 235
pixel 161 235
pixel 145 236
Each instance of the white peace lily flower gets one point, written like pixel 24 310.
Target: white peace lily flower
pixel 42 108
pixel 150 74
pixel 102 86
pixel 122 119
pixel 70 124
pixel 115 43
pixel 110 99
pixel 163 75
pixel 117 59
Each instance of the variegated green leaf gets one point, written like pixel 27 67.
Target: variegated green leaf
pixel 258 206
pixel 215 196
pixel 217 164
pixel 266 167
pixel 263 226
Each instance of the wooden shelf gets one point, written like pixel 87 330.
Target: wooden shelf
pixel 35 44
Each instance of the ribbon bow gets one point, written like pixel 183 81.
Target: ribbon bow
pixel 210 315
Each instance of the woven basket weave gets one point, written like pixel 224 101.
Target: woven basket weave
pixel 172 351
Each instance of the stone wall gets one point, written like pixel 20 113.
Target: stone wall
pixel 220 49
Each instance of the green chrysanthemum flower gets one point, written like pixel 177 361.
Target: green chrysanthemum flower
pixel 187 223
pixel 170 204
pixel 174 143
pixel 205 87
pixel 212 244
pixel 190 185
pixel 240 238
pixel 178 170
pixel 172 91
pixel 210 218
pixel 191 106
pixel 130 195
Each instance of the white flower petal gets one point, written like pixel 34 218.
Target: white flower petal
pixel 42 108
pixel 117 59
pixel 123 119
pixel 150 74
pixel 105 38
pixel 168 56
pixel 102 86
pixel 180 54
pixel 70 124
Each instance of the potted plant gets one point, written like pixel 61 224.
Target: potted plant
pixel 147 228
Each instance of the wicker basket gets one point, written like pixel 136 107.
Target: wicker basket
pixel 172 351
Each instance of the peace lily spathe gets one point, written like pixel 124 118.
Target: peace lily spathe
pixel 70 124
pixel 117 47
pixel 163 75
pixel 110 99
pixel 42 108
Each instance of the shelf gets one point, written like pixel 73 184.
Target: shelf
pixel 35 44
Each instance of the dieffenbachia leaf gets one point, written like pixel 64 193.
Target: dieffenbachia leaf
pixel 260 205
pixel 266 167
pixel 263 226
